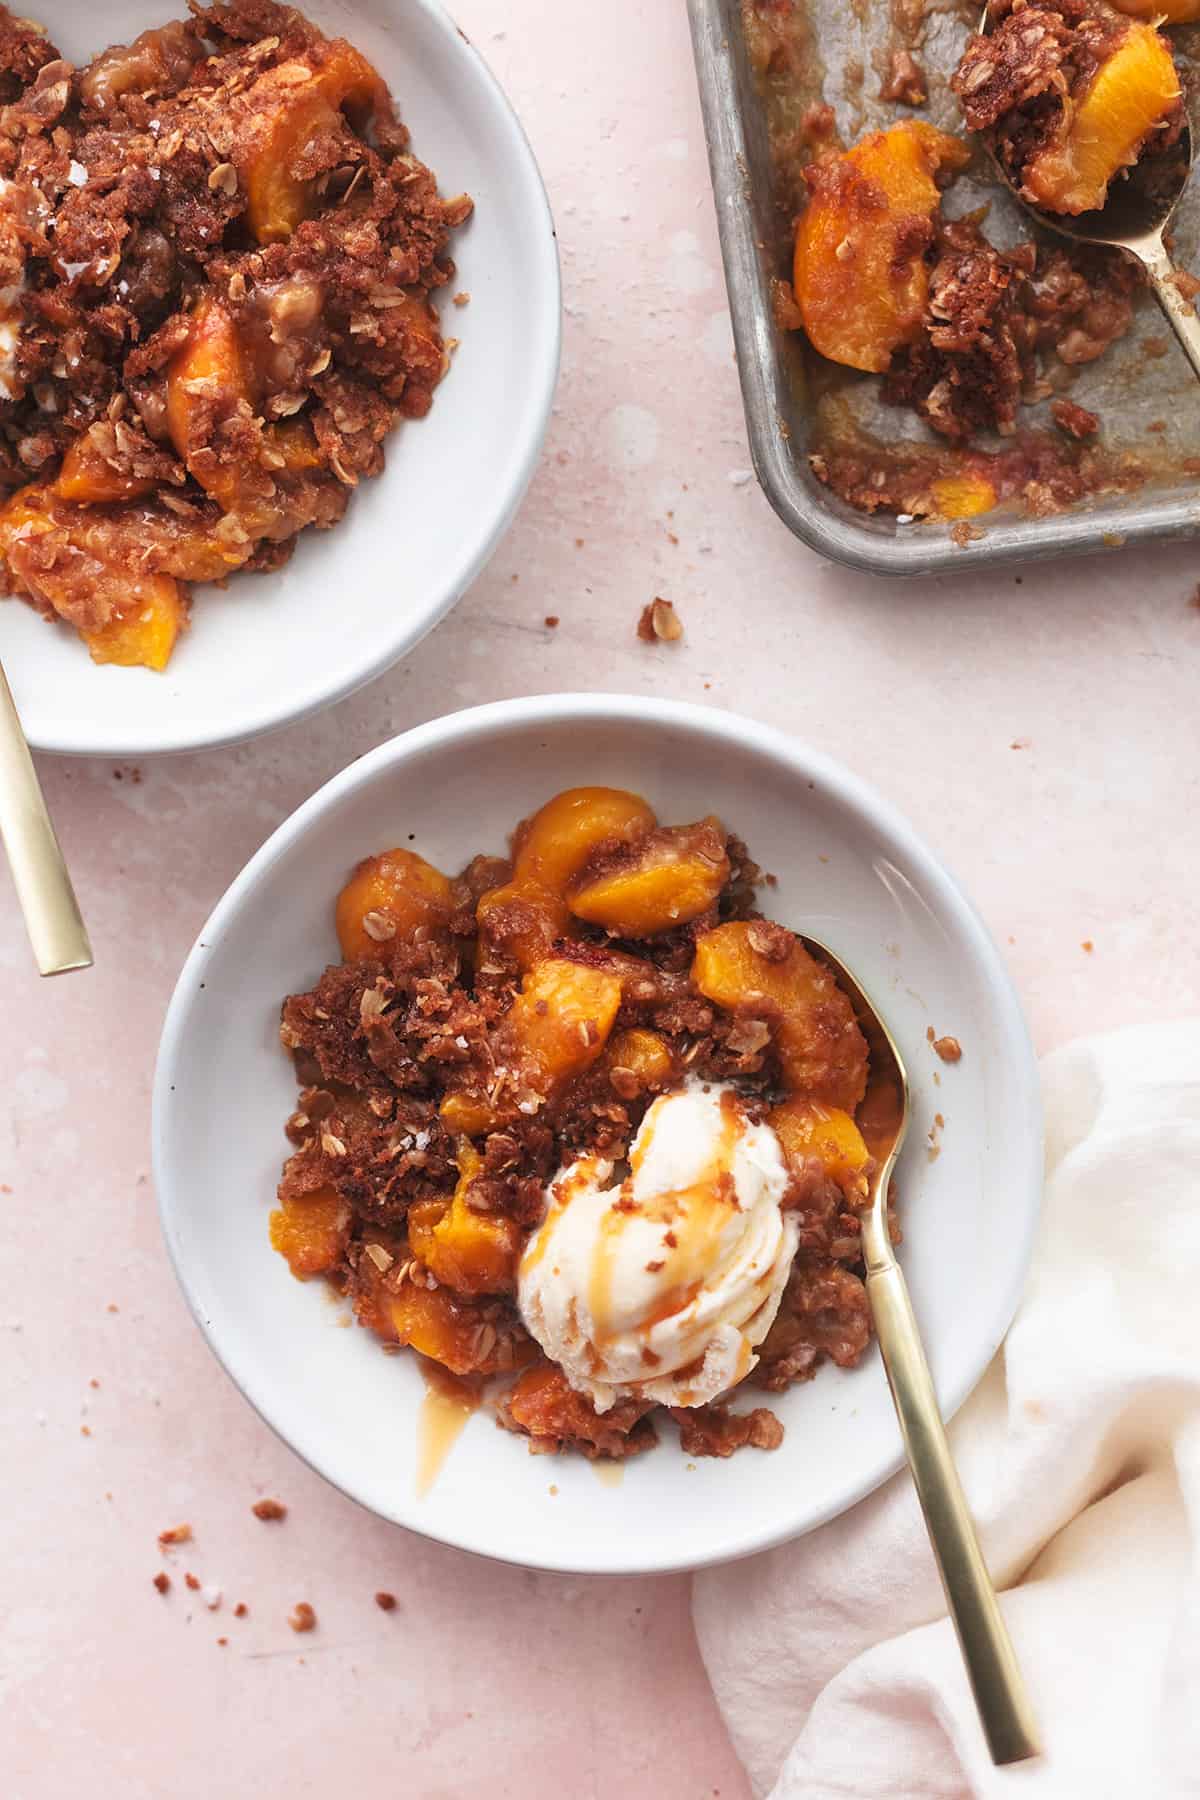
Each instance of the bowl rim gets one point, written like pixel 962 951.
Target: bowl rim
pixel 475 725
pixel 476 547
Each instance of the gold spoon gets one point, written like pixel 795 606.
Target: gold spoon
pixel 52 918
pixel 1004 1709
pixel 1133 218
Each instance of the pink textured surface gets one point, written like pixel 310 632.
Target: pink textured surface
pixel 1039 731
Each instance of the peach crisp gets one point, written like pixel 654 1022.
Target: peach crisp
pixel 217 257
pixel 884 277
pixel 495 1047
pixel 1069 94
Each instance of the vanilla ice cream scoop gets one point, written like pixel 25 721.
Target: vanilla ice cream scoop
pixel 660 1287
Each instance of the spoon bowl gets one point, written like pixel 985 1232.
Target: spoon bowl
pixel 1138 208
pixel 1000 1696
pixel 1136 213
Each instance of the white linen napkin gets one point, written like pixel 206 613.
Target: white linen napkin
pixel 832 1658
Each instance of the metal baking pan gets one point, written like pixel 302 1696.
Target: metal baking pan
pixel 1131 387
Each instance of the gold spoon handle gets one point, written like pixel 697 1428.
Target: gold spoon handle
pixel 1179 310
pixel 1004 1709
pixel 52 919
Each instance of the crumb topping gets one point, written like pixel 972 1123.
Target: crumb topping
pixel 905 82
pixel 659 623
pixel 269 1510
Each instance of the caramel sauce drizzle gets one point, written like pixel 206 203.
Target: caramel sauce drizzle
pixel 692 1220
pixel 448 1404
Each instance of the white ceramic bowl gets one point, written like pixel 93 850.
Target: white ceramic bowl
pixel 274 648
pixel 850 871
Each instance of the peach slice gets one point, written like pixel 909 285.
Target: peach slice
pixel 643 1054
pixel 1167 12
pixel 454 1330
pixel 808 1130
pixel 525 917
pixel 287 107
pixel 445 1329
pixel 471 1252
pixel 295 441
pixel 521 922
pixel 310 1231
pixel 143 634
pixel 860 275
pixel 552 846
pixel 1131 91
pixel 763 972
pixel 962 496
pixel 147 610
pixel 86 477
pixel 206 381
pixel 388 899
pixel 554 1030
pixel 543 1404
pixel 667 879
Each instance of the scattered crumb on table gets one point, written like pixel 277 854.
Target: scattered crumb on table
pixel 659 622
pixel 269 1509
